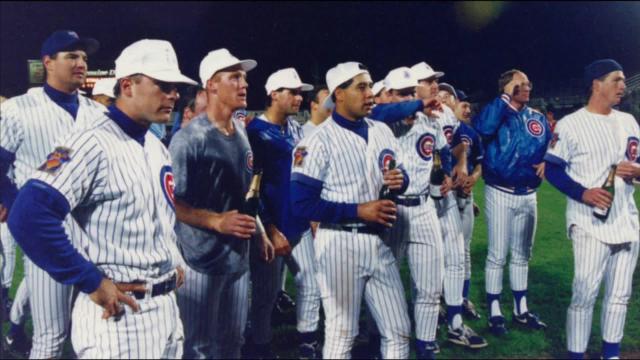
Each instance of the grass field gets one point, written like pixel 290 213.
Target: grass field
pixel 550 276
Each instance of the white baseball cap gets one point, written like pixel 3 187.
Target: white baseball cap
pixel 154 58
pixel 400 78
pixel 378 86
pixel 220 59
pixel 104 86
pixel 340 74
pixel 423 71
pixel 286 79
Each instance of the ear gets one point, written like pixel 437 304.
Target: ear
pixel 125 87
pixel 48 62
pixel 211 86
pixel 339 93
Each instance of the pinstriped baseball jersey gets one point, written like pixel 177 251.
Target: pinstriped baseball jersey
pixel 122 193
pixel 349 167
pixel 31 123
pixel 589 144
pixel 448 121
pixel 417 147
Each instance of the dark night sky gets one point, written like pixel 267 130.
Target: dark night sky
pixel 551 42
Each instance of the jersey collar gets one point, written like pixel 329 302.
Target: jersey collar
pixel 359 126
pixel 135 131
pixel 60 97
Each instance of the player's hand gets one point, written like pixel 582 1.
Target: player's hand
pixel 314 228
pixel 539 169
pixel 393 179
pixel 597 197
pixel 378 211
pixel 510 88
pixel 280 243
pixel 109 296
pixel 459 175
pixel 446 186
pixel 4 213
pixel 469 183
pixel 267 251
pixel 179 276
pixel 235 224
pixel 628 170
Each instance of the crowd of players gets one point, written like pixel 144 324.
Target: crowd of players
pixel 93 202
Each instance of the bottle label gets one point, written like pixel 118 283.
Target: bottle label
pixel 599 211
pixel 434 190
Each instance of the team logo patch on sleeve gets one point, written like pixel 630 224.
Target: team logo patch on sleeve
pixel 385 158
pixel 298 155
pixel 59 156
pixel 249 161
pixel 554 140
pixel 535 127
pixel 425 145
pixel 632 148
pixel 448 133
pixel 168 185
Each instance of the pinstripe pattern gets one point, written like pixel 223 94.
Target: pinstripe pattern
pixel 417 232
pixel 154 332
pixel 453 248
pixel 594 261
pixel 20 307
pixel 511 223
pixel 467 220
pixel 30 126
pixel 214 330
pixel 308 293
pixel 349 265
pixel 8 249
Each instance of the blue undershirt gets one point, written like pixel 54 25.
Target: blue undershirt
pixel 555 173
pixel 69 102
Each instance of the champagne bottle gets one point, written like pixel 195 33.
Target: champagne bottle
pixel 252 200
pixel 437 177
pixel 385 192
pixel 609 186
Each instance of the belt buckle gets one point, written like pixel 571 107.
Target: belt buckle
pixel 148 290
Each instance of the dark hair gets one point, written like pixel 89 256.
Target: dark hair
pixel 313 94
pixel 268 101
pixel 116 88
pixel 506 78
pixel 590 87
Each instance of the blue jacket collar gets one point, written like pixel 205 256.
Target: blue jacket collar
pixel 346 123
pixel 60 97
pixel 137 132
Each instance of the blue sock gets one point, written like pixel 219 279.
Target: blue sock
pixel 575 355
pixel 452 311
pixel 490 299
pixel 610 350
pixel 517 296
pixel 465 289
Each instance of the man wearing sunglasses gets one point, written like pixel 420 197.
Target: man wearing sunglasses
pixel 515 139
pixel 30 125
pixel 116 179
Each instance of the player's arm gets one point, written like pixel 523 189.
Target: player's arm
pixel 11 136
pixel 492 116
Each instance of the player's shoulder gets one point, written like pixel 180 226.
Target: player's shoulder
pixel 32 98
pixel 195 131
pixel 91 104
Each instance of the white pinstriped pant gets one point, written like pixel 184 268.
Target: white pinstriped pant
pixel 8 248
pixel 467 220
pixel 511 223
pixel 50 303
pixel 213 309
pixel 594 260
pixel 348 266
pixel 20 307
pixel 417 233
pixel 453 247
pixel 155 332
pixel 308 293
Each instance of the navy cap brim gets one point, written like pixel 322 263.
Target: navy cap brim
pixel 89 45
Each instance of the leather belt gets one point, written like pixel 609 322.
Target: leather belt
pixel 412 200
pixel 157 289
pixel 357 229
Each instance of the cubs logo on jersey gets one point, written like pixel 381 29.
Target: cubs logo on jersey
pixel 632 148
pixel 54 160
pixel 425 146
pixel 168 185
pixel 535 127
pixel 298 155
pixel 249 161
pixel 448 133
pixel 386 155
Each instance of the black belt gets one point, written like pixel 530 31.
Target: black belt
pixel 412 200
pixel 359 229
pixel 162 288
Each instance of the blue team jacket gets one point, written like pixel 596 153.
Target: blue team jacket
pixel 513 142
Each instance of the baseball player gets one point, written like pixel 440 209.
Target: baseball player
pixel 318 112
pixel 584 147
pixel 450 223
pixel 29 126
pixel 273 136
pixel 467 147
pixel 116 178
pixel 515 139
pixel 213 164
pixel 336 178
pixel 380 93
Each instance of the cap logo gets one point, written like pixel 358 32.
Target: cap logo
pixel 425 145
pixel 535 127
pixel 406 75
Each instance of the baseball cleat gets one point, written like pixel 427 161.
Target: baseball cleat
pixel 465 336
pixel 309 351
pixel 469 310
pixel 497 326
pixel 18 345
pixel 284 302
pixel 529 320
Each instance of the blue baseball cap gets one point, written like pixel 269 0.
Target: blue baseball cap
pixel 600 68
pixel 66 40
pixel 461 95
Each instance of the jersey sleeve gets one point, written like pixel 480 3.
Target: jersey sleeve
pixel 310 159
pixel 77 168
pixel 562 145
pixel 181 160
pixel 11 132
